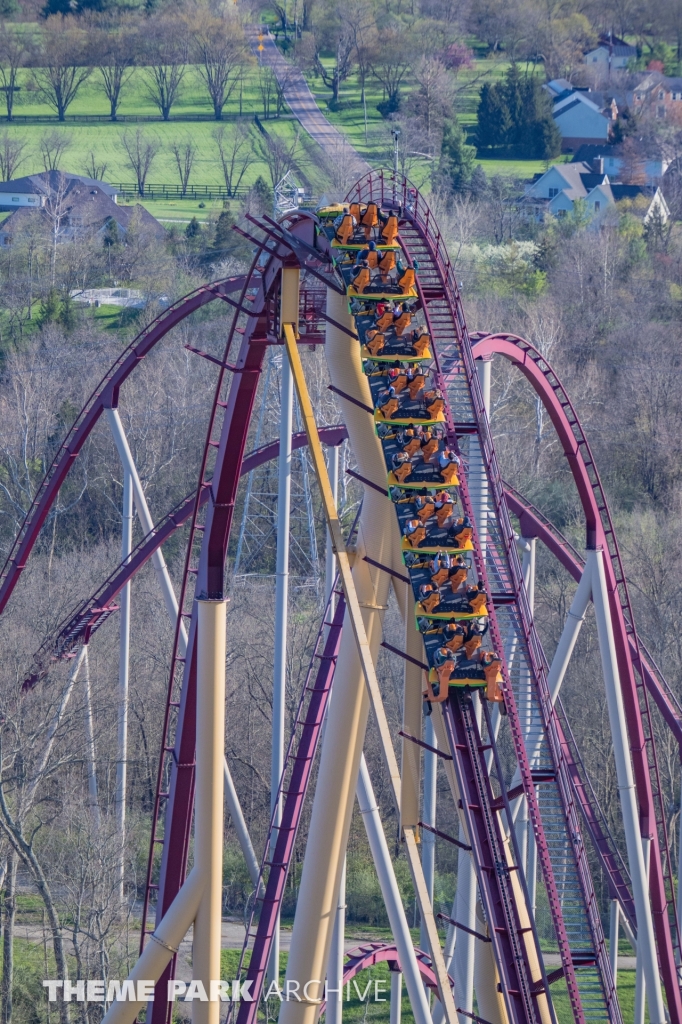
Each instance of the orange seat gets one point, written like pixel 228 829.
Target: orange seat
pixel 471 646
pixel 344 232
pixel 493 677
pixel 449 475
pixel 399 382
pixel 421 344
pixel 370 219
pixel 402 472
pixel 387 410
pixel 354 211
pixel 440 577
pixel 457 579
pixel 390 231
pixel 430 449
pixel 372 259
pixel 416 537
pixel 412 446
pixel 426 511
pixel 416 385
pixel 361 280
pixel 385 320
pixel 406 282
pixel 376 343
pixel 443 514
pixel 402 323
pixel 463 536
pixel 387 264
pixel 430 603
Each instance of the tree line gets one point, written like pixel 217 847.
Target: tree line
pixel 66 52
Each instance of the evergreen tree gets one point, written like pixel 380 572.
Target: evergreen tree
pixel 224 238
pixel 456 157
pixel 537 133
pixel 193 229
pixel 493 117
pixel 112 237
pixel 49 308
pixel 514 89
pixel 67 313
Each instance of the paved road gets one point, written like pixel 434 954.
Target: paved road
pixel 302 104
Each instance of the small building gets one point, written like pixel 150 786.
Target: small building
pixel 607 160
pixel 611 54
pixel 556 191
pixel 581 121
pixel 659 95
pixel 33 189
pixel 80 208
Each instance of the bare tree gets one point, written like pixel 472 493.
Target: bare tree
pixel 220 54
pixel 391 62
pixel 165 55
pixel 94 168
pixel 12 155
pixel 64 64
pixel 277 154
pixel 55 208
pixel 115 54
pixel 141 152
pixel 53 145
pixel 184 153
pixel 15 52
pixel 267 88
pixel 235 150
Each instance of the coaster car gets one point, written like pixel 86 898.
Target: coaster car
pixel 448 671
pixel 400 408
pixel 437 603
pixel 367 223
pixel 418 457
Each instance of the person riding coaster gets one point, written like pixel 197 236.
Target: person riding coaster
pixel 483 670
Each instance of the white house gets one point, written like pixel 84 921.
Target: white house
pixel 33 189
pixel 556 191
pixel 611 54
pixel 580 120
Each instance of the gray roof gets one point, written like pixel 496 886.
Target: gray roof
pixel 86 210
pixel 43 183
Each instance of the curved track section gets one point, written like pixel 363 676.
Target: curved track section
pixel 635 676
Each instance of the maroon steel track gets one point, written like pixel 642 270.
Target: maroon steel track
pixel 95 610
pixel 363 957
pixel 600 533
pixel 104 396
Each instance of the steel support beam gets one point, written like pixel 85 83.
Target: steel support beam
pixel 646 946
pixel 123 676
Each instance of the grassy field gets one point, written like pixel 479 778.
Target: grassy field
pixel 375 143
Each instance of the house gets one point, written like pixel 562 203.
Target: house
pixel 33 189
pixel 606 159
pixel 659 95
pixel 556 191
pixel 580 120
pixel 611 54
pixel 80 208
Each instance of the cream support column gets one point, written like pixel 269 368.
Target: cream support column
pixel 348 709
pixel 208 813
pixel 200 898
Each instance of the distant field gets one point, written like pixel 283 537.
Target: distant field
pixel 376 145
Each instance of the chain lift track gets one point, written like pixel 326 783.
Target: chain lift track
pixel 209 512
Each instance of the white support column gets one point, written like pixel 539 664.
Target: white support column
pixel 146 520
pixel 429 818
pixel 396 997
pixel 123 672
pixel 613 939
pixel 334 1012
pixel 640 978
pixel 237 815
pixel 646 945
pixel 525 705
pixel 391 895
pixel 91 760
pixel 281 615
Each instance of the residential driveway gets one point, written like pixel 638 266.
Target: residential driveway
pixel 302 104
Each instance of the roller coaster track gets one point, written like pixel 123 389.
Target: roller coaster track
pixel 210 510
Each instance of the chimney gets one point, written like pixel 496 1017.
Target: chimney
pixel 598 165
